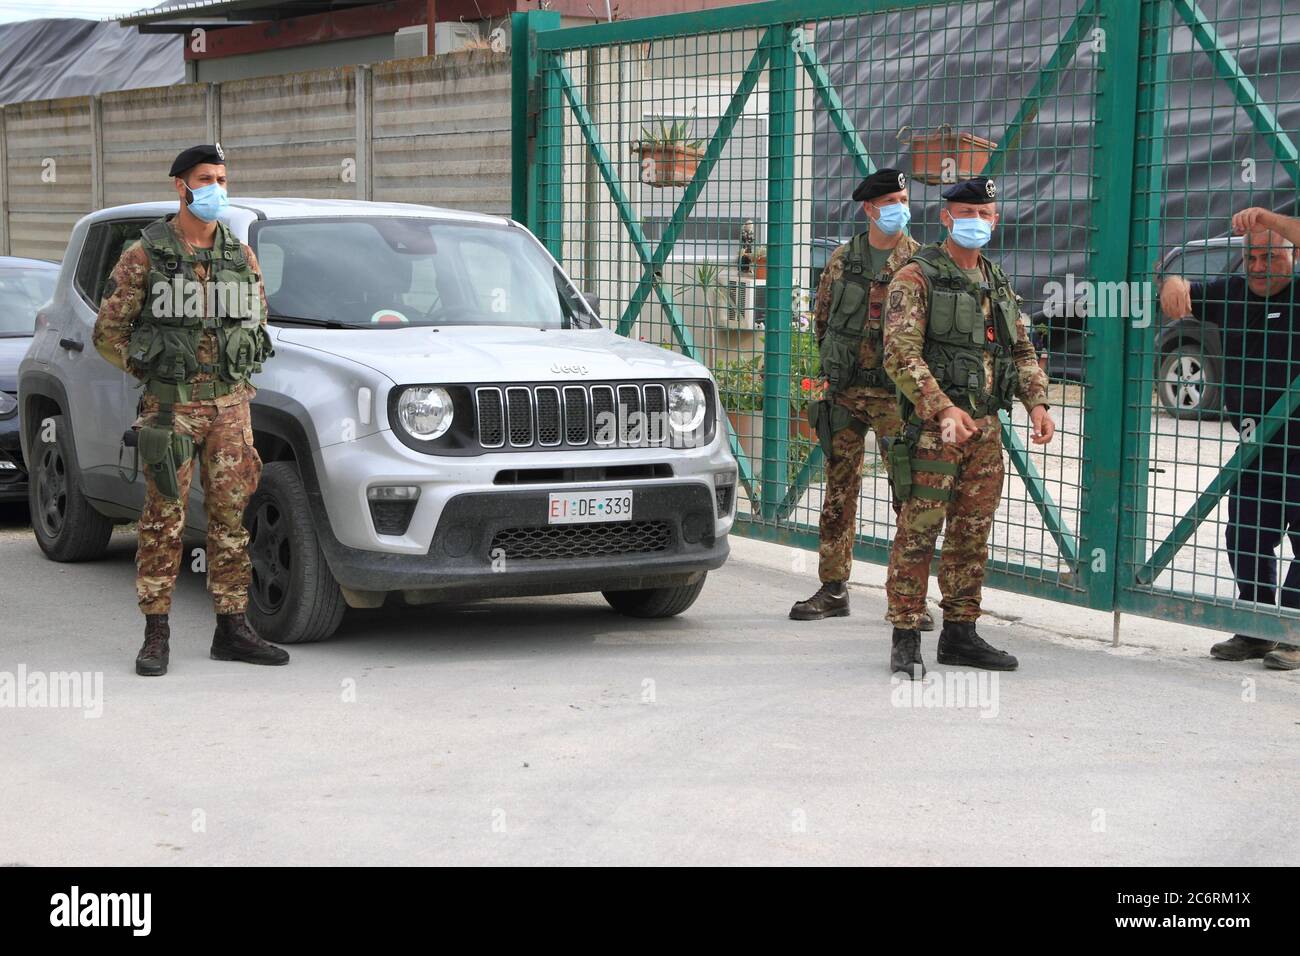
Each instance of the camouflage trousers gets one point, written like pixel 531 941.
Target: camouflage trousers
pixel 839 518
pixel 229 469
pixel 965 519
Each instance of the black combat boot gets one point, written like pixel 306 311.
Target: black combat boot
pixel 1239 647
pixel 905 656
pixel 235 640
pixel 961 646
pixel 153 656
pixel 831 600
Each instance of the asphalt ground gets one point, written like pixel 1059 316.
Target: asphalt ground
pixel 552 731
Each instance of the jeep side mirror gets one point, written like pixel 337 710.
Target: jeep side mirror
pixel 593 302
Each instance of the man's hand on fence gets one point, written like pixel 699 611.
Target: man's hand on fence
pixel 1044 427
pixel 1257 219
pixel 1176 297
pixel 1251 220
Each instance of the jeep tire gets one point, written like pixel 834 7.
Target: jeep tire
pixel 292 598
pixel 656 602
pixel 66 524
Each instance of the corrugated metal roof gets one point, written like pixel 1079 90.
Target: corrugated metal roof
pixel 208 8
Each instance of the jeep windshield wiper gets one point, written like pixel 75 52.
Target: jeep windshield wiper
pixel 300 320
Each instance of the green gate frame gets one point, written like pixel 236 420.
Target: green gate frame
pixel 1103 569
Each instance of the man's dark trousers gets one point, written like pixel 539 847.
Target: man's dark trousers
pixel 1264 505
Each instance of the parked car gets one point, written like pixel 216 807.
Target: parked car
pixel 25 285
pixel 436 422
pixel 1188 352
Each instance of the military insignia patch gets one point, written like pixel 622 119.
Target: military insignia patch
pixel 896 299
pixel 902 180
pixel 991 189
pixel 221 153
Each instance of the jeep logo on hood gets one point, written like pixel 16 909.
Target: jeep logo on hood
pixel 559 369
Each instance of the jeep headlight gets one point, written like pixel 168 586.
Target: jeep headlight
pixel 425 412
pixel 8 404
pixel 685 406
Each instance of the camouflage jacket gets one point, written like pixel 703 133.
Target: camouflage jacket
pixel 125 294
pixel 905 323
pixel 854 398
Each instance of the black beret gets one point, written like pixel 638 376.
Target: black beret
pixel 198 154
pixel 977 190
pixel 880 183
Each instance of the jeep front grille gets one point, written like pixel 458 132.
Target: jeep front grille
pixel 558 542
pixel 548 416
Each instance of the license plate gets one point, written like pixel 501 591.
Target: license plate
pixel 583 507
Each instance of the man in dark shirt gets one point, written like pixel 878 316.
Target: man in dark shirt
pixel 1258 315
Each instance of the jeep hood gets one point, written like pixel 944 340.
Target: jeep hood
pixel 496 354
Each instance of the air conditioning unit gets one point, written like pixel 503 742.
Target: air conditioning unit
pixel 745 305
pixel 447 38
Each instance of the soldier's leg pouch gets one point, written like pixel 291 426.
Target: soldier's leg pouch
pixel 898 466
pixel 163 453
pixel 841 418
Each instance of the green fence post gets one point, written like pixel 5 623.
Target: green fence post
pixel 525 105
pixel 780 270
pixel 1143 252
pixel 1104 390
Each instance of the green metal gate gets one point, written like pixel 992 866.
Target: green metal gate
pixel 694 170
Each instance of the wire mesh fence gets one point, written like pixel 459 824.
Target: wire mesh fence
pixel 696 173
pixel 1210 489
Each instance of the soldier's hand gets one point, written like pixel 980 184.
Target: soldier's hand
pixel 956 425
pixel 1176 297
pixel 1250 220
pixel 1044 427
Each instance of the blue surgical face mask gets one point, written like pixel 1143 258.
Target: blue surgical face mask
pixel 893 218
pixel 971 233
pixel 208 202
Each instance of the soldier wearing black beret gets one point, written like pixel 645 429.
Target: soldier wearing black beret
pixel 197 418
pixel 859 396
pixel 956 347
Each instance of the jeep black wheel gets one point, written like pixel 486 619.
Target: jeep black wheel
pixel 655 602
pixel 293 598
pixel 66 524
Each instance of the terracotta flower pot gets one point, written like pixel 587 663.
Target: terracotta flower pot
pixel 968 154
pixel 671 164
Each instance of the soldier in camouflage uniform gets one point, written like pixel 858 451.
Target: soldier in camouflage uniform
pixel 850 304
pixel 956 345
pixel 194 368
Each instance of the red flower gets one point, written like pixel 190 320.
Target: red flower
pixel 806 385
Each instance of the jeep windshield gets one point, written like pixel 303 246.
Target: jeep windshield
pixel 390 272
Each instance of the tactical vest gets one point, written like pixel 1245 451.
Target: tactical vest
pixel 846 325
pixel 956 337
pixel 165 342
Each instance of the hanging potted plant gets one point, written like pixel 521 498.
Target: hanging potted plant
pixel 668 157
pixel 944 156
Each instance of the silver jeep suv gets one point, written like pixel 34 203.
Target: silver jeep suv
pixel 444 417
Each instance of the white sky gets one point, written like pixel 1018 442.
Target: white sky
pixel 11 10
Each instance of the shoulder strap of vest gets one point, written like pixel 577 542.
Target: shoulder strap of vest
pixel 1000 281
pixel 937 265
pixel 161 244
pixel 855 256
pixel 228 247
